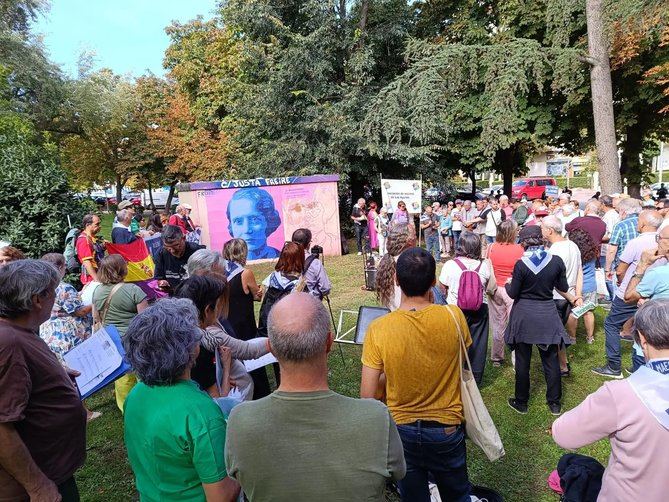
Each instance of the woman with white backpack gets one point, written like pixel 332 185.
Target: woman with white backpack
pixel 465 280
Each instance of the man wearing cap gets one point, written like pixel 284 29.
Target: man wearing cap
pixel 134 224
pixel 121 233
pixel 182 218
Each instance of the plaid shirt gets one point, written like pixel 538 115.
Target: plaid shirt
pixel 623 232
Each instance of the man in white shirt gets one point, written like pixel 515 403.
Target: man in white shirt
pixel 551 229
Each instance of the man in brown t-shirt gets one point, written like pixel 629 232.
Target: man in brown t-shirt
pixel 42 420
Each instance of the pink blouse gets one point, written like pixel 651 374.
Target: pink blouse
pixel 638 467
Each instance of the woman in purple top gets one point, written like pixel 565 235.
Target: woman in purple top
pixel 632 414
pixel 401 215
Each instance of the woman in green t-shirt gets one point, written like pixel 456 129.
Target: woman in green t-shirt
pixel 117 303
pixel 174 432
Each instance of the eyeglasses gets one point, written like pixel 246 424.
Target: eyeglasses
pixel 658 238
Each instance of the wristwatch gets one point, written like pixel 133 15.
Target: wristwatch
pixel 638 276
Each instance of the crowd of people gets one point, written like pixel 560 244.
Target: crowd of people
pixel 200 426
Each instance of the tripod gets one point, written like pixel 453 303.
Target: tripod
pixel 321 257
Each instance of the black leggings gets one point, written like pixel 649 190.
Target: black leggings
pixel 68 490
pixel 551 365
pixel 478 323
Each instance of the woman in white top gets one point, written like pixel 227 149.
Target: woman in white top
pixel 468 257
pixel 388 293
pixel 456 215
pixel 382 222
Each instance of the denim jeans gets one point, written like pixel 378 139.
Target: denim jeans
pixel 619 314
pixel 456 239
pixel 433 451
pixel 489 239
pixel 432 245
pixel 610 288
pixel 361 237
pixel 638 359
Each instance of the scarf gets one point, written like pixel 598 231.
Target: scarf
pixel 279 281
pixel 233 269
pixel 651 385
pixel 536 258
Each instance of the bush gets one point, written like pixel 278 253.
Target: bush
pixel 35 196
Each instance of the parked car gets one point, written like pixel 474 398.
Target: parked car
pixel 434 194
pixel 468 195
pixel 531 188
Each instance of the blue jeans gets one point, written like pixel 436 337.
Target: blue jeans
pixel 610 288
pixel 618 315
pixel 431 450
pixel 489 239
pixel 432 245
pixel 456 239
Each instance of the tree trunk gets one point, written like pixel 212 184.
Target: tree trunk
pixel 364 13
pixel 170 196
pixel 630 162
pixel 148 184
pixel 342 12
pixel 119 188
pixel 602 99
pixel 506 162
pixel 472 176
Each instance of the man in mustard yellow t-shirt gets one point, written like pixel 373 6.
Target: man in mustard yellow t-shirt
pixel 411 355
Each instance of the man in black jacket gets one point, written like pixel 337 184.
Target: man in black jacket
pixel 172 259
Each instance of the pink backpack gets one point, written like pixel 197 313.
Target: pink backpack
pixel 470 289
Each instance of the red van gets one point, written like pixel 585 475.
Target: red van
pixel 531 188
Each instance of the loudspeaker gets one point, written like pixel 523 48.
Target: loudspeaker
pixel 370 279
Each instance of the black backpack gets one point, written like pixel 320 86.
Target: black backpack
pixel 272 295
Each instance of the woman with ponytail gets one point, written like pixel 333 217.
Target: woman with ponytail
pixel 400 237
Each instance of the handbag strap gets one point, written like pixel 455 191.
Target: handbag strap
pixel 105 307
pixel 463 347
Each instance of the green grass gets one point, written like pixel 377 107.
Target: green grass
pixel 531 453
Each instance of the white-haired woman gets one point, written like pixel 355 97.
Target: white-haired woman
pixel 174 432
pixel 632 414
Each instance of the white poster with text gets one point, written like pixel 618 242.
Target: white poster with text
pixel 407 191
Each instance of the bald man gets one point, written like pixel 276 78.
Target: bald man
pixel 590 223
pixel 304 441
pixel 648 223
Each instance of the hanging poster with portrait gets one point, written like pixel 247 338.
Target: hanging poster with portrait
pixel 407 191
pixel 265 212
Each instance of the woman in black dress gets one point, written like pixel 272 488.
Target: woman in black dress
pixel 534 319
pixel 244 290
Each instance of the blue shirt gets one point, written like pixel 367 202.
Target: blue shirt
pixel 445 222
pixel 589 281
pixel 623 232
pixel 655 283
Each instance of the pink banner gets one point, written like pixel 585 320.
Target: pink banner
pixel 265 217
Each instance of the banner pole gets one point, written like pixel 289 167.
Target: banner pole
pixel 420 212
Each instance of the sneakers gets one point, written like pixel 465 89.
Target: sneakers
pixel 590 341
pixel 517 406
pixel 359 253
pixel 606 371
pixel 556 409
pixel 497 364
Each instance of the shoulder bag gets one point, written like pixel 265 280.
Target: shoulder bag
pixel 478 423
pixel 100 316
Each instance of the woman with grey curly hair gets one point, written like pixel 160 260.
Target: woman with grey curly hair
pixel 174 432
